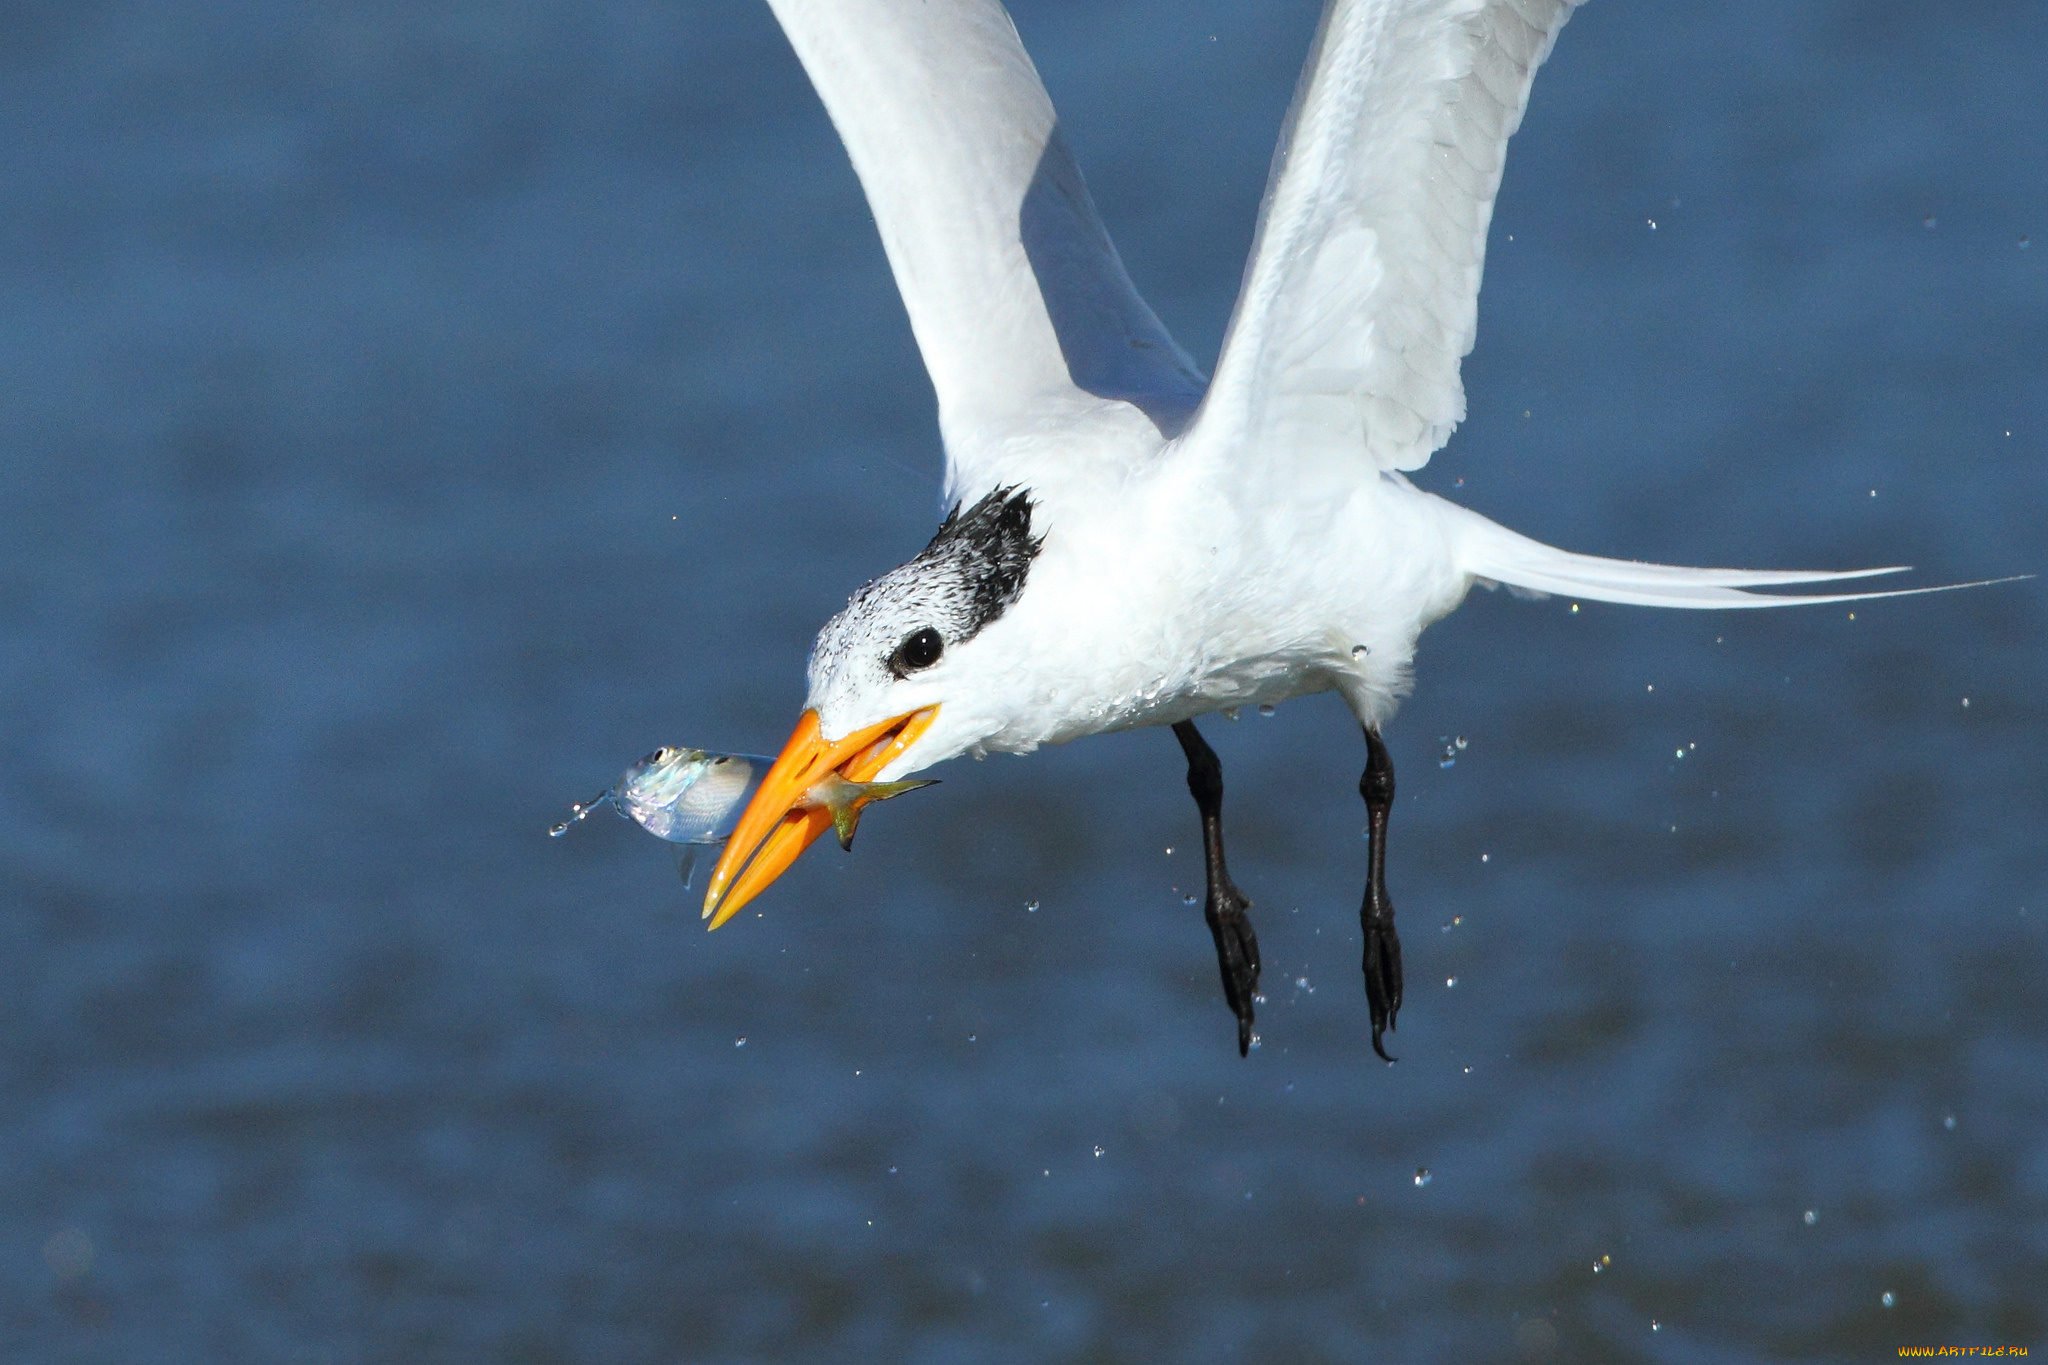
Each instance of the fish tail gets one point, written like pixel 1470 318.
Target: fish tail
pixel 846 800
pixel 882 791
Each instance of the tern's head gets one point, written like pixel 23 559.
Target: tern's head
pixel 896 681
pixel 906 640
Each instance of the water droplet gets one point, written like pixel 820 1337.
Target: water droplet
pixel 1187 900
pixel 970 1037
pixel 1301 984
pixel 1422 1176
pixel 1030 907
pixel 579 810
pixel 740 1041
pixel 1460 741
pixel 1230 713
pixel 1486 857
pixel 1265 708
pixel 1450 982
pixel 1656 1326
pixel 1887 1298
pixel 1680 753
pixel 1098 1151
pixel 2026 242
pixel 1468 1071
pixel 1949 1123
pixel 1254 1047
pixel 1810 1217
pixel 1359 651
pixel 1169 850
pixel 1453 922
pixel 1928 221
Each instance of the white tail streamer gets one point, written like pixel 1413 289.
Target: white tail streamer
pixel 1493 554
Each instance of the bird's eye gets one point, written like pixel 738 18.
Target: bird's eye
pixel 921 650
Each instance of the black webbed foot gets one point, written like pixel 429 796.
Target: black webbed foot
pixel 1237 947
pixel 1237 954
pixel 1382 965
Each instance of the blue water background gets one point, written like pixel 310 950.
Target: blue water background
pixel 410 413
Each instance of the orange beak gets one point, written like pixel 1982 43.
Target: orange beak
pixel 779 824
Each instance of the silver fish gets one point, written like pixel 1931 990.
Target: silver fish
pixel 694 797
pixel 686 796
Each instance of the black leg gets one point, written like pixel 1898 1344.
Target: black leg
pixel 1237 948
pixel 1376 915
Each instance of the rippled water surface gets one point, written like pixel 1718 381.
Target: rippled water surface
pixel 414 412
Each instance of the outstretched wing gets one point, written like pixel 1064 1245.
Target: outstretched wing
pixel 1020 305
pixel 1362 292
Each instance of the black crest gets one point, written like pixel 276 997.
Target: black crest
pixel 990 547
pixel 907 619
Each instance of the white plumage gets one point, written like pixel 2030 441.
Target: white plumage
pixel 1186 545
pixel 1241 556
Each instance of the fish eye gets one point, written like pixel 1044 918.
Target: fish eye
pixel 920 650
pixel 658 757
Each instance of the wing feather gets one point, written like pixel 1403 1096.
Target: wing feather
pixel 1020 305
pixel 1361 296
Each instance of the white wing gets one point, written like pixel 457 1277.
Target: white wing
pixel 1362 293
pixel 1019 302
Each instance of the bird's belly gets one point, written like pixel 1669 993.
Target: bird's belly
pixel 1164 700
